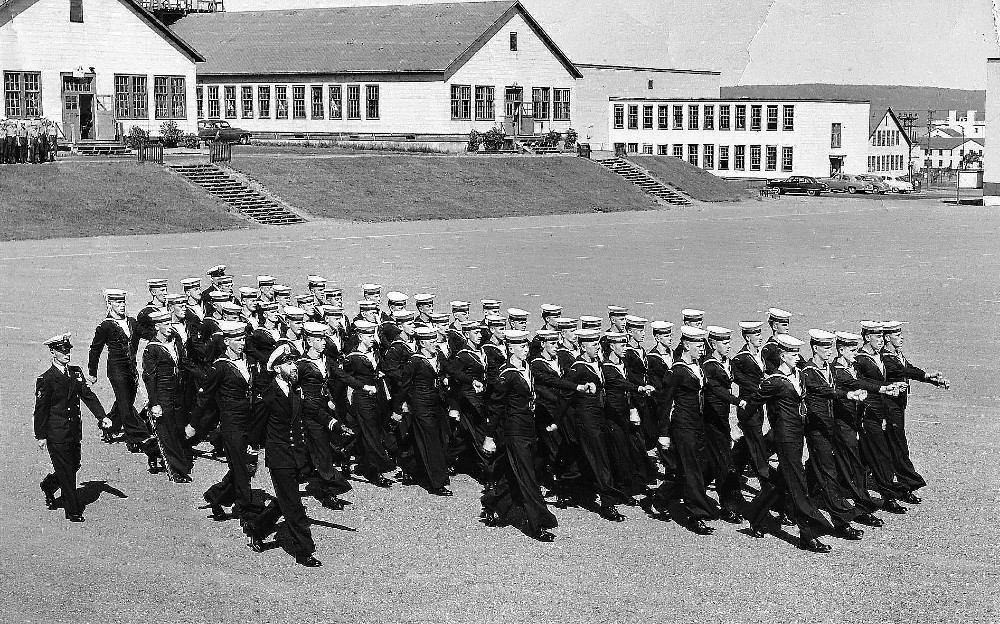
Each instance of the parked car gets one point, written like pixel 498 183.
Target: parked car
pixel 219 130
pixel 876 181
pixel 848 182
pixel 898 185
pixel 798 184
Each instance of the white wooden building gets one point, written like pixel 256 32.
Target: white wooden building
pixel 425 73
pixel 991 160
pixel 745 138
pixel 95 67
pixel 889 147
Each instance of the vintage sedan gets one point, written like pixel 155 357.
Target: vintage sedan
pixel 848 182
pixel 219 130
pixel 876 181
pixel 898 185
pixel 798 184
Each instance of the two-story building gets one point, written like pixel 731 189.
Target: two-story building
pixel 889 147
pixel 744 138
pixel 95 67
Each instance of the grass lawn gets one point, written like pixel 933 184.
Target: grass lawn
pixel 694 181
pixel 95 198
pixel 392 188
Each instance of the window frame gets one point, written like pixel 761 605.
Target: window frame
pixel 168 98
pixel 246 98
pixel 485 102
pixel 788 117
pixel 692 154
pixel 229 97
pixel 739 158
pixel 633 116
pixel 677 150
pixel 513 41
pixel 210 103
pixel 787 158
pixel 771 158
pixel 678 119
pixel 663 117
pixel 772 120
pixel 647 116
pixel 723 158
pixel 740 121
pixel 461 102
pixel 353 101
pixel 263 101
pixel 281 108
pixel 756 117
pixel 299 101
pixel 756 154
pixel 694 119
pixel 373 98
pixel 335 95
pixel 618 117
pixel 541 103
pixel 836 135
pixel 708 156
pixel 199 95
pixel 18 97
pixel 136 100
pixel 725 118
pixel 317 109
pixel 708 117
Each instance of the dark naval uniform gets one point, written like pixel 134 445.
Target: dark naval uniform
pixel 422 388
pixel 899 369
pixel 122 375
pixel 161 373
pixel 874 416
pixel 719 399
pixel 753 448
pixel 230 385
pixel 852 474
pixel 358 370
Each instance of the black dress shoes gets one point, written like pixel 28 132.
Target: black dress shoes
pixel 544 536
pixel 50 498
pixel 75 517
pixel 308 561
pixel 911 499
pixel 334 503
pixel 848 533
pixel 869 520
pixel 452 471
pixel 406 479
pixel 892 506
pixel 442 491
pixel 610 512
pixel 755 532
pixel 254 542
pixel 218 513
pixel 182 479
pixel 701 528
pixel 381 482
pixel 813 545
pixel 731 516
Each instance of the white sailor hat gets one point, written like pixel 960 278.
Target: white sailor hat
pixel 60 343
pixel 156 282
pixel 719 333
pixel 173 299
pixel 635 322
pixel 892 327
pixel 565 322
pixel 190 283
pixel 515 336
pixel 426 333
pixel 304 299
pixel 616 337
pixel 788 343
pixel 314 329
pixel 777 315
pixel 490 304
pixel 547 335
pixel 233 329
pixel 517 314
pixel 159 316
pixel 281 355
pixel 439 317
pixel 494 320
pixel 281 290
pixel 228 307
pixel 871 327
pixel 473 325
pixel 750 327
pixel 267 306
pixel 587 335
pixel 224 279
pixel 248 292
pixel 331 310
pixel 333 291
pixel 364 327
pixel 423 299
pixel 693 334
pixel 821 337
pixel 661 327
pixel 371 289
pixel 403 316
pixel 217 271
pixel 590 322
pixel 315 280
pixel 846 339
pixel 459 306
pixel 218 296
pixel 114 294
pixel 690 315
pixel 395 297
pixel 367 305
pixel 265 280
pixel 614 310
pixel 294 313
pixel 549 309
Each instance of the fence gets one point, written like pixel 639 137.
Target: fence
pixel 220 152
pixel 150 152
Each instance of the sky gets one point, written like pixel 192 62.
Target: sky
pixel 938 43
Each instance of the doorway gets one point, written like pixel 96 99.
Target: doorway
pixel 836 165
pixel 78 107
pixel 513 110
pixel 86 116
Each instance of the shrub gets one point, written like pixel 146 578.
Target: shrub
pixel 136 136
pixel 189 140
pixel 571 137
pixel 475 140
pixel 493 138
pixel 170 134
pixel 552 138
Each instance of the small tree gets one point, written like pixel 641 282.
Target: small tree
pixel 493 139
pixel 475 140
pixel 136 136
pixel 170 133
pixel 552 138
pixel 571 137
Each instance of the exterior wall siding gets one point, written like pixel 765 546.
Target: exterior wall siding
pixel 111 39
pixel 991 159
pixel 890 158
pixel 810 138
pixel 600 84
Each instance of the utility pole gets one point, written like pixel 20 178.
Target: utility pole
pixel 909 119
pixel 927 161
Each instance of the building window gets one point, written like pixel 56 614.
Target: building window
pixel 871 164
pixel 486 109
pixel 754 158
pixel 619 116
pixel 724 117
pixel 740 157
pixel 169 97
pixel 835 135
pixel 649 84
pixel 772 118
pixel 461 102
pixel 298 101
pixel 76 11
pixel 513 42
pixel 199 95
pixel 371 102
pixel 647 117
pixel 708 156
pixel 693 154
pixel 692 117
pixel 633 148
pixel 723 157
pixel 316 100
pixel 540 102
pixel 678 117
pixel 132 98
pixel 662 117
pixel 246 101
pixel 229 94
pixel 786 159
pixel 633 117
pixel 336 102
pixel 647 148
pixel 772 158
pixel 662 150
pixel 22 94
pixel 354 101
pixel 280 101
pixel 788 118
pixel 560 104
pixel 741 117
pixel 755 111
pixel 709 121
pixel 264 102
pixel 679 151
pixel 214 112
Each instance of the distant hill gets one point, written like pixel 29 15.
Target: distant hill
pixel 901 98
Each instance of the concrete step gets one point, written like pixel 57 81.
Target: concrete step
pixel 234 193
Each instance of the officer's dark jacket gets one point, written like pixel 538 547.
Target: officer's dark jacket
pixel 57 404
pixel 278 427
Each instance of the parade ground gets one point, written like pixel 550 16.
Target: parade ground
pixel 149 553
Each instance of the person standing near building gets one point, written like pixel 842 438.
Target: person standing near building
pixel 57 424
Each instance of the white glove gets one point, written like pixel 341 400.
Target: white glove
pixel 551 428
pixel 105 423
pixel 489 446
pixel 664 441
pixel 189 431
pixel 477 386
pixel 397 417
pixel 633 416
pixel 454 414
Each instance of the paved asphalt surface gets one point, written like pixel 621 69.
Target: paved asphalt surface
pixel 148 553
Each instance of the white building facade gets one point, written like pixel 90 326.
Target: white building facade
pixel 889 147
pixel 991 160
pixel 764 139
pixel 95 67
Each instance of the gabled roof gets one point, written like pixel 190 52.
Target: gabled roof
pixel 408 39
pixel 11 8
pixel 875 120
pixel 939 143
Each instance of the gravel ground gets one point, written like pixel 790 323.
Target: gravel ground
pixel 403 556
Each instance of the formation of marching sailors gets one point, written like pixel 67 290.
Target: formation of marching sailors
pixel 586 416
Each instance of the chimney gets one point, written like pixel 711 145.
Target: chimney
pixel 952 116
pixel 971 116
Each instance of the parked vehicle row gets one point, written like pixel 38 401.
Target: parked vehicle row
pixel 841 183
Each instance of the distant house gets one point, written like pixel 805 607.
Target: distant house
pixel 95 67
pixel 746 138
pixel 889 147
pixel 428 73
pixel 969 123
pixel 946 152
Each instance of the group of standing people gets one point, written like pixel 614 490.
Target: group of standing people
pixel 588 413
pixel 31 141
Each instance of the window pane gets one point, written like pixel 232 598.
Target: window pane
pixel 336 102
pixel 354 101
pixel 246 101
pixel 280 102
pixel 264 102
pixel 318 110
pixel 230 95
pixel 299 101
pixel 371 101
